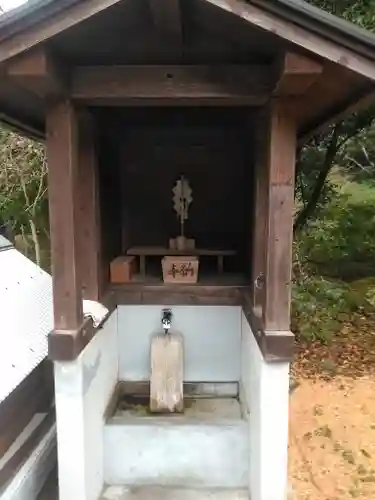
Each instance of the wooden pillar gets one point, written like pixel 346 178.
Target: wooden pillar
pixel 63 177
pixel 279 209
pixel 260 206
pixel 89 209
pixel 274 192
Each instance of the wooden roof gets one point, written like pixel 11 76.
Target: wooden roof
pixel 196 32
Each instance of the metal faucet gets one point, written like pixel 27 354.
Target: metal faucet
pixel 166 320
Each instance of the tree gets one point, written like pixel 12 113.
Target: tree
pixel 23 188
pixel 319 155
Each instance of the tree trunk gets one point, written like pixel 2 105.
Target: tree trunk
pixel 36 243
pixel 310 207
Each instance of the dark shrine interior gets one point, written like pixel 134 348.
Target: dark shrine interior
pixel 143 151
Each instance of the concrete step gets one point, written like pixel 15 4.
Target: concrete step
pixel 167 493
pixel 206 448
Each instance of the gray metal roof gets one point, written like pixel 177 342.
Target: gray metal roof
pixel 5 244
pixel 21 17
pixel 26 317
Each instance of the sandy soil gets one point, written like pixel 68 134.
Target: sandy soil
pixel 332 439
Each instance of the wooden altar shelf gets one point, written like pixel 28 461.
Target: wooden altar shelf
pixel 143 252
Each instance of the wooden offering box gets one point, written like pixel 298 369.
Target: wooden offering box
pixel 180 269
pixel 122 269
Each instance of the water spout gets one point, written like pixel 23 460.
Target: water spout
pixel 166 320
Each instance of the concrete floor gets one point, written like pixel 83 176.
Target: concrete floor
pixel 201 409
pixel 207 446
pixel 204 409
pixel 50 492
pixel 165 493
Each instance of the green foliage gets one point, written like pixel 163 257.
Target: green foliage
pixel 320 307
pixel 343 142
pixel 360 192
pixel 19 157
pixel 358 159
pixel 335 249
pixel 312 161
pixel 339 145
pixel 342 241
pixel 23 188
pixel 360 12
pixel 337 239
pixel 366 288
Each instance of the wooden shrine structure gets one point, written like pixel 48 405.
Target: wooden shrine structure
pixel 129 94
pixel 84 75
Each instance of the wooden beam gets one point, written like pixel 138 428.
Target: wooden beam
pixel 63 190
pixel 296 74
pixel 176 294
pixel 275 346
pixel 166 15
pixel 59 19
pixel 89 216
pixel 269 21
pixel 66 345
pixel 279 211
pixel 103 85
pixel 38 71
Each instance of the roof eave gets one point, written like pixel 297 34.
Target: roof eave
pixel 22 126
pixel 20 18
pixel 322 23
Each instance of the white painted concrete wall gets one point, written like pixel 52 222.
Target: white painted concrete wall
pixel 212 341
pixel 266 388
pixel 219 347
pixel 246 369
pixel 83 389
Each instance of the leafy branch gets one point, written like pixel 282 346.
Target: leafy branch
pixel 23 188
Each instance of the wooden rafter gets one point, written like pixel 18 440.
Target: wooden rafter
pixel 297 35
pixel 48 27
pixel 359 100
pixel 166 15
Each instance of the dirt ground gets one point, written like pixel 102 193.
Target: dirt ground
pixel 332 419
pixel 332 439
